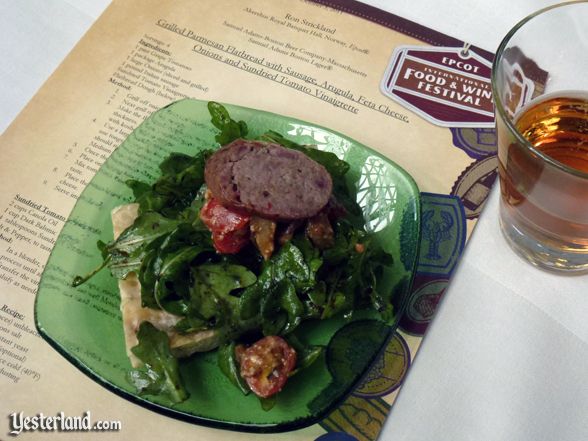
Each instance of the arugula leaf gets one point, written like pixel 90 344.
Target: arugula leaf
pixel 250 300
pixel 227 362
pixel 165 270
pixel 221 278
pixel 146 228
pixel 181 178
pixel 289 264
pixel 125 254
pixel 306 355
pixel 229 128
pixel 78 280
pixel 318 295
pixel 175 197
pixel 311 255
pixel 214 282
pixel 291 304
pixel 128 250
pixel 275 296
pixel 351 272
pixel 213 301
pixel 138 188
pixel 338 302
pixel 160 374
pixel 268 403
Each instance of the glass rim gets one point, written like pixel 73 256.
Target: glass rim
pixel 498 103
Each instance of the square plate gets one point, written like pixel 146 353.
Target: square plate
pixel 84 323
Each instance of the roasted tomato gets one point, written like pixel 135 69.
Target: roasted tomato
pixel 229 227
pixel 231 242
pixel 265 365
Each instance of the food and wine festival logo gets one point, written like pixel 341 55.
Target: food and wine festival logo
pixel 449 87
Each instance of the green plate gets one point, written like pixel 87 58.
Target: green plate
pixel 84 323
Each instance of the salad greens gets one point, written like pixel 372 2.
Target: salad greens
pixel 240 296
pixel 160 375
pixel 181 178
pixel 227 362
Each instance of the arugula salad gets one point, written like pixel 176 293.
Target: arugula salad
pixel 232 249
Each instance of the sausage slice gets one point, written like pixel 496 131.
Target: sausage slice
pixel 269 180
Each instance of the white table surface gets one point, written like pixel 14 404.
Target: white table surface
pixel 506 357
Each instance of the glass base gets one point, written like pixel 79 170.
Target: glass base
pixel 540 254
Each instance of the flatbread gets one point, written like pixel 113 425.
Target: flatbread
pixel 133 314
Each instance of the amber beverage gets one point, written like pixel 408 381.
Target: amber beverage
pixel 540 88
pixel 550 202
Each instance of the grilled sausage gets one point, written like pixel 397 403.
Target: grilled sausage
pixel 268 180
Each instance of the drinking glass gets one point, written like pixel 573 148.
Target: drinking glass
pixel 540 87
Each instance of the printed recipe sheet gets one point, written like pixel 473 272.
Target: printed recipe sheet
pixel 415 96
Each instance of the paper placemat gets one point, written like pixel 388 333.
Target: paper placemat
pixel 417 96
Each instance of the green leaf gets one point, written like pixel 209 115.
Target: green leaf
pixel 229 128
pixel 351 271
pixel 264 297
pixel 181 178
pixel 338 302
pixel 213 283
pixel 125 254
pixel 145 229
pixel 227 362
pixel 221 278
pixel 160 374
pixel 138 188
pixel 165 272
pixel 195 322
pixel 268 403
pixel 318 295
pixel 289 263
pixel 290 303
pixel 172 286
pixel 78 280
pixel 250 300
pixel 103 248
pixel 312 256
pixel 306 355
